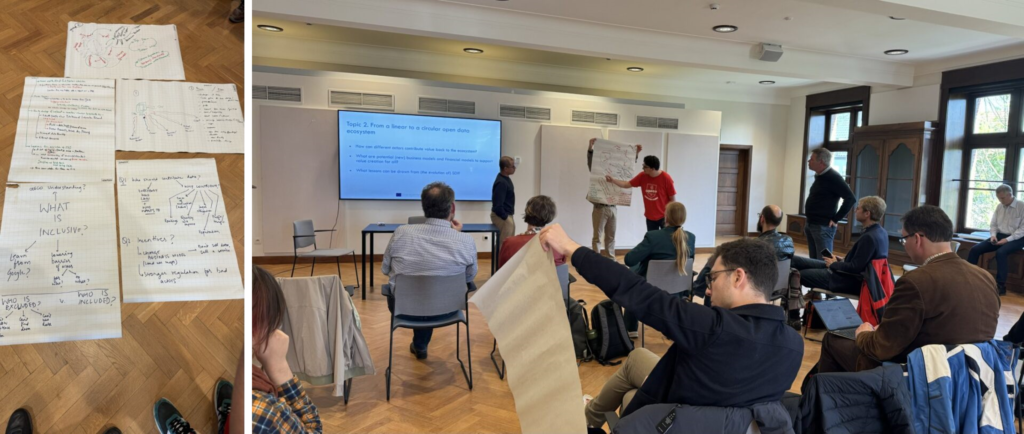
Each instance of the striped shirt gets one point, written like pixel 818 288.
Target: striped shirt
pixel 289 412
pixel 430 249
pixel 1008 220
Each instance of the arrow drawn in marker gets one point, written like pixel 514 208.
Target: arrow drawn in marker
pixel 29 247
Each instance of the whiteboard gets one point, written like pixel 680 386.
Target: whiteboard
pixel 692 161
pixel 564 177
pixel 631 225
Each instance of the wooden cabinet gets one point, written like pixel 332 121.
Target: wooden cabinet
pixel 890 161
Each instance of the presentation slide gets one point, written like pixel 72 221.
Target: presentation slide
pixel 388 156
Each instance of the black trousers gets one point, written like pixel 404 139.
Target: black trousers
pixel 653 225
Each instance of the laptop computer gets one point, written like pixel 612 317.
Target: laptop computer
pixel 839 316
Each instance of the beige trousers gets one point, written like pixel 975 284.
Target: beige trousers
pixel 507 226
pixel 604 226
pixel 619 389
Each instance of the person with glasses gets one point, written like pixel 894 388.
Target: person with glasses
pixel 1006 234
pixel 841 275
pixel 657 187
pixel 738 353
pixel 945 301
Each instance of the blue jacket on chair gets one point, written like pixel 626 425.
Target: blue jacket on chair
pixel 963 389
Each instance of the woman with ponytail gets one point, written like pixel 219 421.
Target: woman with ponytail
pixel 670 242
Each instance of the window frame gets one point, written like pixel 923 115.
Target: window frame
pixel 842 145
pixel 1012 141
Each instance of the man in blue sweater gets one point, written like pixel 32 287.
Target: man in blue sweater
pixel 820 207
pixel 844 275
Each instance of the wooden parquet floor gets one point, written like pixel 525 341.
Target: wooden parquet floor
pixel 172 350
pixel 431 395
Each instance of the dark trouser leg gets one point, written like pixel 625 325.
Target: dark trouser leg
pixel 815 278
pixel 838 354
pixel 632 324
pixel 811 233
pixel 653 225
pixel 819 238
pixel 802 263
pixel 980 249
pixel 1003 256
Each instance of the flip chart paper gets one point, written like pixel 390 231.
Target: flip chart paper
pixel 179 117
pixel 616 160
pixel 123 51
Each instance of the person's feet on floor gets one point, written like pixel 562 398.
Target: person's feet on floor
pixel 420 355
pixel 112 430
pixel 169 420
pixel 237 15
pixel 20 422
pixel 222 403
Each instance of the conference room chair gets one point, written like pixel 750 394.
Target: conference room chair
pixel 954 245
pixel 663 274
pixel 304 236
pixel 564 280
pixel 781 290
pixel 431 296
pixel 417 219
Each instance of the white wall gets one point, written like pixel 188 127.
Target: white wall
pixel 762 125
pixel 794 167
pixel 913 104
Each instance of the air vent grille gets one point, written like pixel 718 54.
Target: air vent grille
pixel 359 100
pixel 440 105
pixel 656 122
pixel 597 118
pixel 524 112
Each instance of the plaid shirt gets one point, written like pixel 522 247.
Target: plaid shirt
pixel 288 412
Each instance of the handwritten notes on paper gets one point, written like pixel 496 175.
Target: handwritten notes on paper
pixel 175 239
pixel 58 264
pixel 123 51
pixel 179 117
pixel 65 131
pixel 616 160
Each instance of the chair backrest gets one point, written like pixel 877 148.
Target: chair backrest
pixel 954 245
pixel 563 279
pixel 417 219
pixel 304 235
pixel 783 282
pixel 429 295
pixel 663 274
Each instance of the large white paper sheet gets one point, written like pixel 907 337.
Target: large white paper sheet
pixel 123 51
pixel 65 131
pixel 58 259
pixel 179 117
pixel 176 242
pixel 523 306
pixel 614 159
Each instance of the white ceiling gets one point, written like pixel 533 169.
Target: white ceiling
pixel 812 26
pixel 566 42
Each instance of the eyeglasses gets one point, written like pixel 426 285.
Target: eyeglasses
pixel 710 277
pixel 903 240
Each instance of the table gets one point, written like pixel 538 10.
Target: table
pixel 389 228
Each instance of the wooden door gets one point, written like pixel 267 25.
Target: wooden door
pixel 733 187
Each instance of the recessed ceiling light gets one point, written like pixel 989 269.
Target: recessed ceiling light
pixel 896 18
pixel 634 69
pixel 766 82
pixel 269 28
pixel 725 28
pixel 473 50
pixel 898 52
pixel 730 82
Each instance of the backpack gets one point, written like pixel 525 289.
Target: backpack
pixel 578 326
pixel 610 339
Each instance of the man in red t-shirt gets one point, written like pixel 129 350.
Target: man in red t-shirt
pixel 657 188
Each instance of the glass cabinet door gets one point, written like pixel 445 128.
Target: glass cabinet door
pixel 867 167
pixel 899 185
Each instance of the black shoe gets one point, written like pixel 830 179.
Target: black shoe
pixel 20 422
pixel 222 403
pixel 112 430
pixel 420 355
pixel 237 15
pixel 169 420
pixel 1002 289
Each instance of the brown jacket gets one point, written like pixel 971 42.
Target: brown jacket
pixel 948 301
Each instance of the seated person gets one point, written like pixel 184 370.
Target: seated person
pixel 946 301
pixel 1006 234
pixel 736 354
pixel 436 247
pixel 844 276
pixel 540 210
pixel 769 219
pixel 661 244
